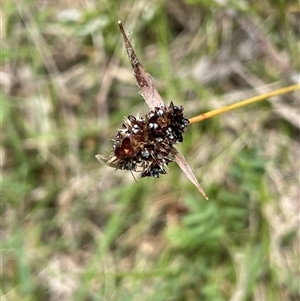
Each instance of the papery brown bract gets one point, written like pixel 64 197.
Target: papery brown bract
pixel 143 79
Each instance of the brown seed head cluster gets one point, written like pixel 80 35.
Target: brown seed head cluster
pixel 146 143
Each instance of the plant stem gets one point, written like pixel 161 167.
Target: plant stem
pixel 243 103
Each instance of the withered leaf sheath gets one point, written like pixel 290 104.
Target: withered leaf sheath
pixel 145 143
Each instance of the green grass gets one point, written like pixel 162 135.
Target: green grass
pixel 73 229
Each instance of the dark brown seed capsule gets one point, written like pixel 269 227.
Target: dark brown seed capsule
pixel 146 143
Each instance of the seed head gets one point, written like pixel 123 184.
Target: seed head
pixel 145 144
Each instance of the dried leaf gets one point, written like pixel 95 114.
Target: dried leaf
pixel 179 158
pixel 143 79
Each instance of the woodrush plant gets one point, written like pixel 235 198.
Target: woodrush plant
pixel 145 144
pixel 41 229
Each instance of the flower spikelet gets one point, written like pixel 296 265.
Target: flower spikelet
pixel 145 144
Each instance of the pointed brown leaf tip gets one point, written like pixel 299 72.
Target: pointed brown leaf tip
pixel 180 160
pixel 143 79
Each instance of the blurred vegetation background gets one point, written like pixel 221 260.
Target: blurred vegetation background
pixel 73 229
